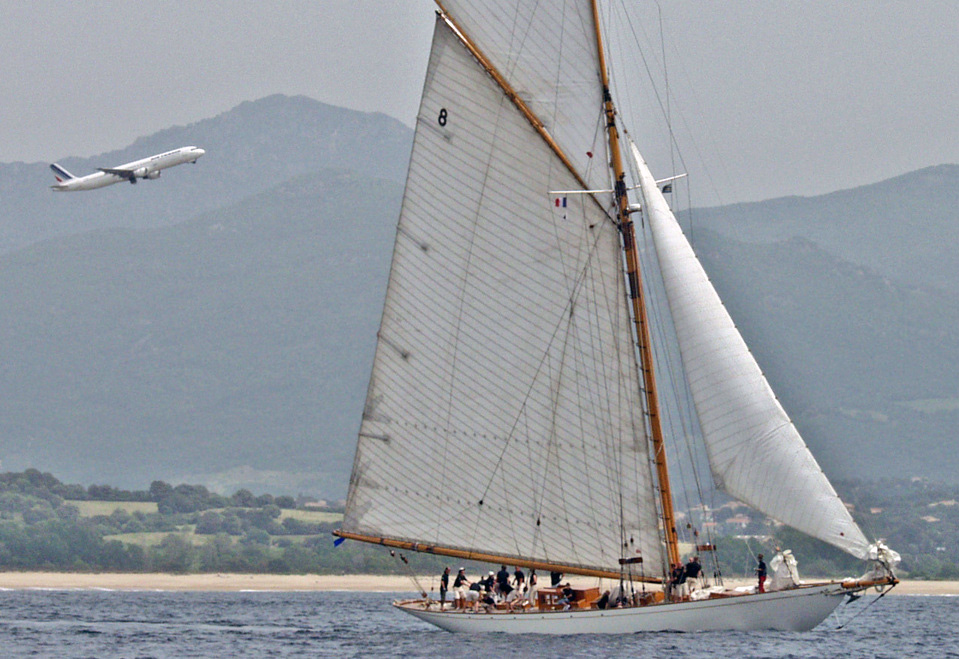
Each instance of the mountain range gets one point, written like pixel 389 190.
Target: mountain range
pixel 217 326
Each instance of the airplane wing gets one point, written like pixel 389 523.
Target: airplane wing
pixel 125 173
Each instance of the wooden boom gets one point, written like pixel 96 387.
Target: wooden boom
pixel 494 558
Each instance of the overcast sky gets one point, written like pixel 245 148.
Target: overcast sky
pixel 767 98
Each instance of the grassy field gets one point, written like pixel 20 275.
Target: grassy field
pixel 311 516
pixel 91 508
pixel 152 539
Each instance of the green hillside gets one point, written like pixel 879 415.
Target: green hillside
pixel 250 149
pixel 218 328
pixel 242 338
pixel 905 228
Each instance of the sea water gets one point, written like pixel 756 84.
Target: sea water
pixel 101 623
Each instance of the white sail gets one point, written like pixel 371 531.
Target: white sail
pixel 547 51
pixel 501 415
pixel 755 452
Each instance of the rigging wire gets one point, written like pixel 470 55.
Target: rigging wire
pixel 866 608
pixel 628 21
pixel 673 144
pixel 412 575
pixel 685 396
pixel 665 362
pixel 667 94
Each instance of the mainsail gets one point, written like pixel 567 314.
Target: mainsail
pixel 755 452
pixel 502 414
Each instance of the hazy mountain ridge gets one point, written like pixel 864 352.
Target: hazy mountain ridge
pixel 905 227
pixel 242 338
pixel 250 148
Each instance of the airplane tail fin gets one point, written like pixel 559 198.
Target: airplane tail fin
pixel 60 173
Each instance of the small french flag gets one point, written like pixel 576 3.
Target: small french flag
pixel 560 202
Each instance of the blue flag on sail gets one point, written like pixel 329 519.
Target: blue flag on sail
pixel 560 202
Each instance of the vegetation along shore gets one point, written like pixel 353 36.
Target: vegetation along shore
pixel 59 535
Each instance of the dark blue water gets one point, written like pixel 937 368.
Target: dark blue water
pixel 51 623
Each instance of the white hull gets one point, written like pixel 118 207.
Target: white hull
pixel 797 610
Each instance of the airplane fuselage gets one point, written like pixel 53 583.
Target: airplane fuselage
pixel 148 168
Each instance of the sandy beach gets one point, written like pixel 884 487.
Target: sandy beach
pixel 246 582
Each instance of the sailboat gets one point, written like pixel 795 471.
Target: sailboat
pixel 513 414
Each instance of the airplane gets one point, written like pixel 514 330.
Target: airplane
pixel 145 168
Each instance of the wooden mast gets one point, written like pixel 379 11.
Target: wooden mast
pixel 639 307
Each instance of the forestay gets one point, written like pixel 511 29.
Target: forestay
pixel 755 452
pixel 502 414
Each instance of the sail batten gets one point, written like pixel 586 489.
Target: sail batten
pixel 755 452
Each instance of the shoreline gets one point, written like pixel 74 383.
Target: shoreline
pixel 224 582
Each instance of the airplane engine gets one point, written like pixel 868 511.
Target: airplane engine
pixel 153 175
pixel 143 172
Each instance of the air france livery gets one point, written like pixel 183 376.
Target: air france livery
pixel 145 168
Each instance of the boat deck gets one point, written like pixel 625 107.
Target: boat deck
pixel 550 599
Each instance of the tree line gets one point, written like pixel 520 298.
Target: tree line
pixel 200 531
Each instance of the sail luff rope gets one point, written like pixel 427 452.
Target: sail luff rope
pixel 680 391
pixel 644 416
pixel 625 570
pixel 644 401
pixel 666 358
pixel 615 467
pixel 618 447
